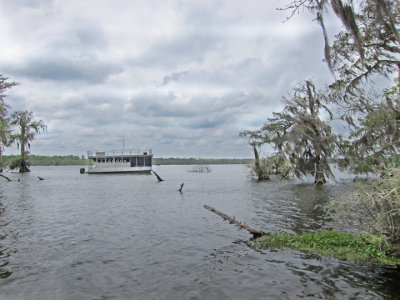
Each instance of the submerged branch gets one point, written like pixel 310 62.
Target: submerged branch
pixel 255 232
pixel 8 179
pixel 158 177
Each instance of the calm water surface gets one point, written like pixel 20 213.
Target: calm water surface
pixel 74 236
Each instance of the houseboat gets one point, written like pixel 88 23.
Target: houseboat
pixel 120 161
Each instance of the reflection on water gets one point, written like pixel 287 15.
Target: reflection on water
pixel 310 201
pixel 75 236
pixel 293 206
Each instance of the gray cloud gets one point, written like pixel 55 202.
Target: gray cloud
pixel 14 5
pixel 188 48
pixel 65 69
pixel 184 78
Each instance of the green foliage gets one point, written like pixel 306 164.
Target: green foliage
pixel 348 246
pixel 261 170
pixel 38 160
pixel 20 163
pixel 375 137
pixel 271 165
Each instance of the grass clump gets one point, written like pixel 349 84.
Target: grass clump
pixel 346 246
pixel 378 205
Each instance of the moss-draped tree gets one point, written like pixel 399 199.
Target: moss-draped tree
pixel 308 143
pixel 28 128
pixel 374 143
pixel 256 140
pixel 370 42
pixel 304 144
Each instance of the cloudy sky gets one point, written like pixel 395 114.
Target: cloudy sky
pixel 180 77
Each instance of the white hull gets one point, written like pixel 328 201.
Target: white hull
pixel 110 169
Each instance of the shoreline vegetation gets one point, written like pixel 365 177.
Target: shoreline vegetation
pixel 74 160
pixel 345 246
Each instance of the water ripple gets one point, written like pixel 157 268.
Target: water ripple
pixel 74 236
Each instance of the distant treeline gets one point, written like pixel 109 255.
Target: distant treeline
pixel 39 160
pixel 74 160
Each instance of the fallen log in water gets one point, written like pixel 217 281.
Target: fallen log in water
pixel 255 232
pixel 4 176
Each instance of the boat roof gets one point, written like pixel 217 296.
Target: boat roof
pixel 121 152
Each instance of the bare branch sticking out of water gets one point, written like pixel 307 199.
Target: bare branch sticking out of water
pixel 8 179
pixel 158 177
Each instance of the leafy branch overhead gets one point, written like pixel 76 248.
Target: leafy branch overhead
pixel 370 44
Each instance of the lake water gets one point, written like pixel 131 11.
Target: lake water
pixel 74 236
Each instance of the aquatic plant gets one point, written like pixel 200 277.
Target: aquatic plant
pixel 347 246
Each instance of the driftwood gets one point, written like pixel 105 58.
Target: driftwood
pixel 255 232
pixel 158 177
pixel 4 176
pixel 180 189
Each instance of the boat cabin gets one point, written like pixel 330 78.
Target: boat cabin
pixel 126 160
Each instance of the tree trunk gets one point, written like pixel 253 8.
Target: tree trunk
pixel 261 175
pixel 319 173
pixel 256 158
pixel 23 166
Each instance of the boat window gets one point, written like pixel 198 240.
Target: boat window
pixel 118 159
pixel 109 159
pixel 126 160
pixel 147 161
pixel 140 161
pixel 133 162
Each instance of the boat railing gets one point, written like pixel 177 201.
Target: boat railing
pixel 119 152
